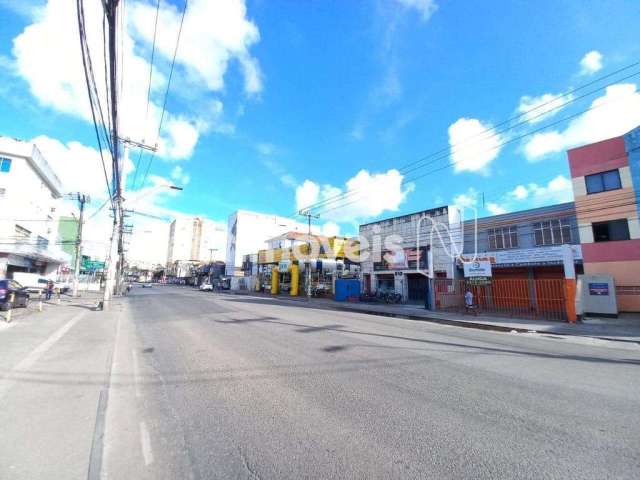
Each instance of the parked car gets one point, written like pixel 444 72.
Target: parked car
pixel 20 295
pixel 146 285
pixel 206 287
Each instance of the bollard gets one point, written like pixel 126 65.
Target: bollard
pixel 58 296
pixel 11 299
pixel 40 301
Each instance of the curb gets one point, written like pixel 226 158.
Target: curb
pixel 424 318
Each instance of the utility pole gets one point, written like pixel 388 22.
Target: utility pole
pixel 307 213
pixel 82 199
pixel 110 10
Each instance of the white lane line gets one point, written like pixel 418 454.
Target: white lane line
pixel 6 383
pixel 136 372
pixel 145 440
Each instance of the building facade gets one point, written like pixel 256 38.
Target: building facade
pixel 194 239
pixel 525 244
pixel 400 253
pixel 606 187
pixel 248 233
pixel 30 193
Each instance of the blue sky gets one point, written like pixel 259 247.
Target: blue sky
pixel 296 98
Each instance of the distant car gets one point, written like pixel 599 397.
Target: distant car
pixel 33 282
pixel 206 287
pixel 20 295
pixel 146 285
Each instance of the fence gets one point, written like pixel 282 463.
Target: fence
pixel 531 298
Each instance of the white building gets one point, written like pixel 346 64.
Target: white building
pixel 195 239
pixel 400 253
pixel 30 194
pixel 249 232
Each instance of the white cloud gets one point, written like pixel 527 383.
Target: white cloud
pixel 557 190
pixel 591 63
pixel 213 34
pixel 330 229
pixel 47 56
pixel 425 7
pixel 467 199
pixel 78 167
pixel 307 194
pixel 474 145
pixel 496 209
pixel 180 176
pixel 519 193
pixel 286 178
pixel 613 114
pixel 366 195
pixel 536 109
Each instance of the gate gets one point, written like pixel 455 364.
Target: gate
pixel 528 298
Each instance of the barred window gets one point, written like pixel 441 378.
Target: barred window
pixel 504 237
pixel 552 232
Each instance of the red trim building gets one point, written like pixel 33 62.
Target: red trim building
pixel 606 186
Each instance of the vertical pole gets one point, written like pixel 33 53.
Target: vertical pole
pixel 308 256
pixel 569 283
pixel 76 274
pixel 11 300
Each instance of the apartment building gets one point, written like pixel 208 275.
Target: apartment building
pixel 30 193
pixel 606 187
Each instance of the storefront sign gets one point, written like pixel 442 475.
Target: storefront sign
pixel 599 289
pixel 283 267
pixel 524 256
pixel 477 269
pixel 403 259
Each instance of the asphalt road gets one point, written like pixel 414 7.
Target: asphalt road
pixel 176 383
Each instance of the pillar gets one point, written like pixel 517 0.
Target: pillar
pixel 569 282
pixel 275 277
pixel 295 280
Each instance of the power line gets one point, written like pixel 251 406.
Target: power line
pixel 448 150
pixel 88 74
pixel 146 112
pixel 166 93
pixel 506 142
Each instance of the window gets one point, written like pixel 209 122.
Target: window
pixel 603 182
pixel 552 232
pixel 610 231
pixel 5 164
pixel 42 242
pixel 22 233
pixel 501 238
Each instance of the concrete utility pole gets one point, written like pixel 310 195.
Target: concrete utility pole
pixel 110 10
pixel 82 199
pixel 307 213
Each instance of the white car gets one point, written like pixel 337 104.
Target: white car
pixel 206 287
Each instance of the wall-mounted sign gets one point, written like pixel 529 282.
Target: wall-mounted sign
pixel 479 268
pixel 599 289
pixel 548 255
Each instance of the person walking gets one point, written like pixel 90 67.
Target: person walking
pixel 468 302
pixel 49 289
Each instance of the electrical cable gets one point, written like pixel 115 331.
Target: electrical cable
pixel 166 94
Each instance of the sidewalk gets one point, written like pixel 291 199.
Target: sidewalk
pixel 87 300
pixel 623 329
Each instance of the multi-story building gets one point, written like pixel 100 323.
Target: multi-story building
pixel 29 196
pixel 194 239
pixel 606 187
pixel 525 244
pixel 399 253
pixel 248 232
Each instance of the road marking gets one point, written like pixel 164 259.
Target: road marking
pixel 136 372
pixel 145 440
pixel 27 362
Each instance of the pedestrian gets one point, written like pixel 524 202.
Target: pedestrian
pixel 468 302
pixel 49 289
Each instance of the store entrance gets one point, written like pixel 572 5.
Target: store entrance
pixel 417 286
